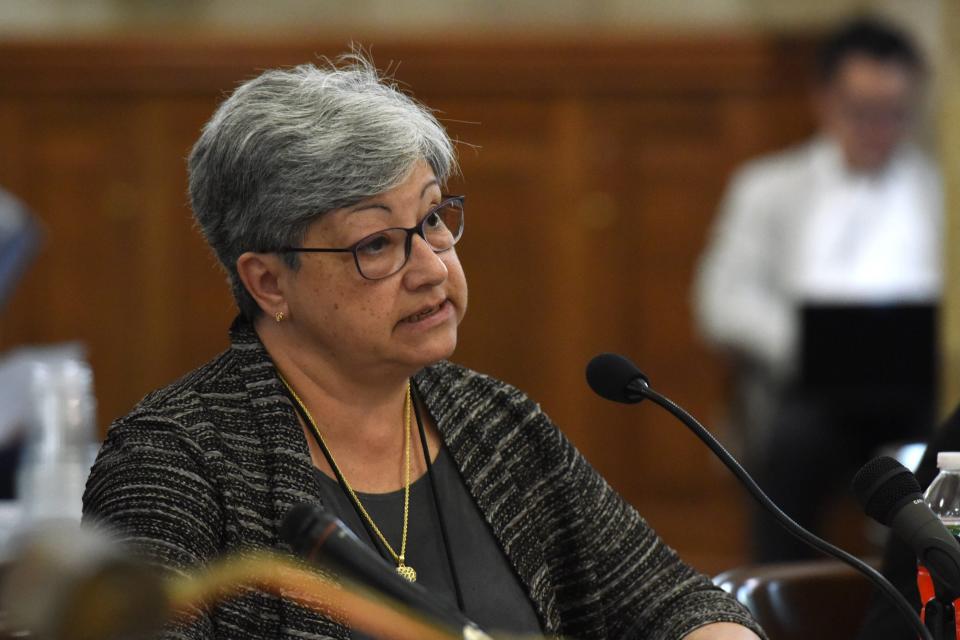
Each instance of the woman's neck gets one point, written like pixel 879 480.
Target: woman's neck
pixel 355 411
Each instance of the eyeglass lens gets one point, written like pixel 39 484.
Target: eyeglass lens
pixel 384 253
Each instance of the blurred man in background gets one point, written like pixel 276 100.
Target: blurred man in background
pixel 848 222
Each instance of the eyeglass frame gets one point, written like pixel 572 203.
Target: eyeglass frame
pixel 417 229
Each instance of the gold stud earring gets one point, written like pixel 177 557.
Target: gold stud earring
pixel 280 316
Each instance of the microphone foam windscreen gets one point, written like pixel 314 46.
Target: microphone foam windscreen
pixel 882 486
pixel 609 375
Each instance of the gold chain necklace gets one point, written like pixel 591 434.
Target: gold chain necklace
pixel 403 569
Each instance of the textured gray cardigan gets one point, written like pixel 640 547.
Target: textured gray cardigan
pixel 210 465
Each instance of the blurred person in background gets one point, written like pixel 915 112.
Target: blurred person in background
pixel 321 192
pixel 851 217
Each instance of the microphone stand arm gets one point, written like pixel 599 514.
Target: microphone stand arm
pixel 643 390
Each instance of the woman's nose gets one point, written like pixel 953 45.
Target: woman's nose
pixel 424 266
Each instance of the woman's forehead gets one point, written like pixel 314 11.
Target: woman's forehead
pixel 418 185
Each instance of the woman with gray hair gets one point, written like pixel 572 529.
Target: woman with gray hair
pixel 321 192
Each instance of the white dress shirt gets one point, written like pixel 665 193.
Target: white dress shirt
pixel 800 227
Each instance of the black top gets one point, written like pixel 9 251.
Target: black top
pixel 493 596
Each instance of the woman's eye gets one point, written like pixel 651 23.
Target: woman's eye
pixel 374 245
pixel 433 221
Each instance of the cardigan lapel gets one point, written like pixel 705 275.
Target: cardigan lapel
pixel 294 479
pixel 292 476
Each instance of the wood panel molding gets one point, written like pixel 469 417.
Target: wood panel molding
pixel 539 65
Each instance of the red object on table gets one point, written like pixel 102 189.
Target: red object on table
pixel 927 593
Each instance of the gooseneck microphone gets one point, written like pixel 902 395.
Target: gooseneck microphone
pixel 890 494
pixel 616 378
pixel 322 539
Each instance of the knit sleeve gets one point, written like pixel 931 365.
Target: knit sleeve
pixel 642 588
pixel 148 488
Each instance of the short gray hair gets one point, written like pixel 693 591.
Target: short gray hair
pixel 291 145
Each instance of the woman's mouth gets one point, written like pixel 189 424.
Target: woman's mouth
pixel 425 313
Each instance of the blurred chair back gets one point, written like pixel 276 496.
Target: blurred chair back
pixel 822 599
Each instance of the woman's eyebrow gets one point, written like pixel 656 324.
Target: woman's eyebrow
pixel 369 205
pixel 379 205
pixel 428 185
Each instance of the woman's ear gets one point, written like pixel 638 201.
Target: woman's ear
pixel 261 274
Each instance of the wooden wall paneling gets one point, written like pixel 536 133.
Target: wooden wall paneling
pixel 649 178
pixel 13 141
pixel 159 178
pixel 589 199
pixel 567 280
pixel 186 307
pixel 610 301
pixel 13 135
pixel 79 185
pixel 189 306
pixel 758 122
pixel 505 181
pixel 104 175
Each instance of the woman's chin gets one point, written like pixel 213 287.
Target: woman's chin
pixel 437 349
pixel 432 340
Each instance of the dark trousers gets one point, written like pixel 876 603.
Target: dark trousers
pixel 816 443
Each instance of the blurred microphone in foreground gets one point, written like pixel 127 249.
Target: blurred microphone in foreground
pixel 71 583
pixel 321 538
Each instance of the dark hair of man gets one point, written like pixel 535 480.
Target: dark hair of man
pixel 870 37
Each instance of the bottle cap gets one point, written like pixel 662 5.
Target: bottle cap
pixel 948 460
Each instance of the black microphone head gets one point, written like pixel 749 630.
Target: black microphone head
pixel 299 524
pixel 611 376
pixel 882 486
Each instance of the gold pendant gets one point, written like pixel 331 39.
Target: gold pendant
pixel 407 572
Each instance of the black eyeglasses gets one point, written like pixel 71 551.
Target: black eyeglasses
pixel 384 253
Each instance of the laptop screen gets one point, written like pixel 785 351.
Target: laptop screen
pixel 858 345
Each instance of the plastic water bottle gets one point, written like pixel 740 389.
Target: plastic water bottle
pixel 943 498
pixel 943 495
pixel 58 450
